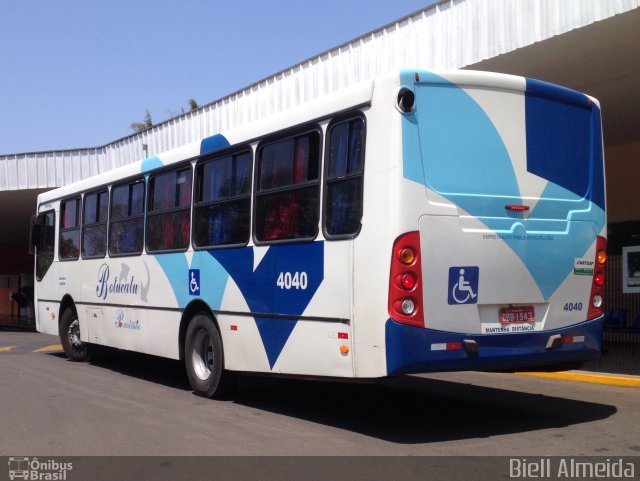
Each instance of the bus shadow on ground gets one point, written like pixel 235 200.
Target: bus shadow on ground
pixel 405 410
pixel 412 410
pixel 158 370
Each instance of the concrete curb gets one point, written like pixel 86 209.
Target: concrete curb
pixel 589 377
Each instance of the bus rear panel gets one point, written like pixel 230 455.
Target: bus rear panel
pixel 509 243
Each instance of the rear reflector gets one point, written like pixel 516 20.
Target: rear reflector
pixel 446 346
pixel 572 339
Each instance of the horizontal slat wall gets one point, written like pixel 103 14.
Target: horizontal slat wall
pixel 450 34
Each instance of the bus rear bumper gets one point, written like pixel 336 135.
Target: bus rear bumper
pixel 412 349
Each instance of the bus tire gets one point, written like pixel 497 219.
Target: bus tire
pixel 69 331
pixel 204 359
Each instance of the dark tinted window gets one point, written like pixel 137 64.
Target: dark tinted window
pixel 94 224
pixel 344 182
pixel 126 228
pixel 168 217
pixel 222 212
pixel 287 196
pixel 69 229
pixel 45 247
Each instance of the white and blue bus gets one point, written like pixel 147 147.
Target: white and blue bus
pixel 422 221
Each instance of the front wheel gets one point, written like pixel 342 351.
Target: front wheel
pixel 69 331
pixel 204 359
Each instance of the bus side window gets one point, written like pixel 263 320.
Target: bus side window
pixel 69 248
pixel 168 216
pixel 126 225
pixel 222 203
pixel 94 224
pixel 344 178
pixel 287 190
pixel 46 242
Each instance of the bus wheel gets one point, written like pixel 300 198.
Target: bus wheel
pixel 204 359
pixel 73 347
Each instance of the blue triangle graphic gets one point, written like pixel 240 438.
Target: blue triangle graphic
pixel 262 294
pixel 274 334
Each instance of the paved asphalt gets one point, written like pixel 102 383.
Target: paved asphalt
pixel 130 404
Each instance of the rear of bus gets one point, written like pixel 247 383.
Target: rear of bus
pixel 502 263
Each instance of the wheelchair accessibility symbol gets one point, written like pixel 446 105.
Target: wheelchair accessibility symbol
pixel 194 282
pixel 463 284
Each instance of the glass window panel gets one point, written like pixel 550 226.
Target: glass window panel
pixel 137 199
pixel 44 253
pixel 125 237
pixel 47 237
pixel 226 177
pixel 70 244
pixel 338 150
pixel 94 241
pixel 287 215
pixel 301 160
pixel 119 202
pixel 90 215
pixel 168 231
pixel 169 191
pixel 94 218
pixel 222 223
pixel 95 208
pixel 242 182
pixel 70 214
pixel 183 182
pixel 356 133
pixel 344 207
pixel 305 164
pixel 276 164
pixel 164 192
pixel 343 200
pixel 103 203
pixel 217 180
pixel 345 150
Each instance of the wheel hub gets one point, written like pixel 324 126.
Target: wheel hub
pixel 203 355
pixel 73 334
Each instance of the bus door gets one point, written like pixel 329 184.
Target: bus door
pixel 43 241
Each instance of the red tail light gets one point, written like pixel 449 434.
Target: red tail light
pixel 597 286
pixel 405 283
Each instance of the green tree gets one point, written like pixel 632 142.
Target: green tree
pixel 144 125
pixel 193 105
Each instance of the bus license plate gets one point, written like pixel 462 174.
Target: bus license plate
pixel 512 315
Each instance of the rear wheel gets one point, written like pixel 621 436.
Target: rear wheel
pixel 204 359
pixel 69 331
